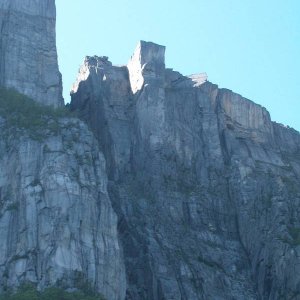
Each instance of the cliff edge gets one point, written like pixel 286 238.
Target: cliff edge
pixel 205 185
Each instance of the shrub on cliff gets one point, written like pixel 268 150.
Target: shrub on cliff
pixel 21 112
pixel 29 292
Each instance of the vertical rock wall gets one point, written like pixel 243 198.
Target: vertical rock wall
pixel 57 224
pixel 205 186
pixel 28 57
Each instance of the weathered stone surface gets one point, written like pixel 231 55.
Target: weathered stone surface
pixel 205 186
pixel 180 190
pixel 146 65
pixel 28 58
pixel 57 225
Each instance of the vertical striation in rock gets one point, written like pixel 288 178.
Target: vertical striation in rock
pixel 57 224
pixel 147 76
pixel 147 65
pixel 205 185
pixel 28 57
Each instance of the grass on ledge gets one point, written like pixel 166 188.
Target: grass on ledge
pixel 29 292
pixel 19 111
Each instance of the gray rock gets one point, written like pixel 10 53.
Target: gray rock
pixel 205 185
pixel 57 225
pixel 147 65
pixel 179 189
pixel 28 57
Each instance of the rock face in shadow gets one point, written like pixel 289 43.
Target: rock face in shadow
pixel 28 57
pixel 205 186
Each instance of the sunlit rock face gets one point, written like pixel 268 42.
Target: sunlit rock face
pixel 206 187
pixel 146 65
pixel 57 224
pixel 28 57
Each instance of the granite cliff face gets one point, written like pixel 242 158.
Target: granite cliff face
pixel 28 58
pixel 167 187
pixel 205 185
pixel 57 225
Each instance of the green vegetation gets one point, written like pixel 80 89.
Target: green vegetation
pixel 293 238
pixel 267 200
pixel 23 113
pixel 13 206
pixel 291 184
pixel 83 159
pixel 29 292
pixel 294 232
pixel 211 264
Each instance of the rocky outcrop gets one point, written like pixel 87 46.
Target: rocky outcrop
pixel 205 185
pixel 146 66
pixel 28 58
pixel 176 189
pixel 57 225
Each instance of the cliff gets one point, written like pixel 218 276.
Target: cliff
pixel 57 225
pixel 155 186
pixel 28 58
pixel 205 185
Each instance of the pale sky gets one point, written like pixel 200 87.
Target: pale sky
pixel 251 47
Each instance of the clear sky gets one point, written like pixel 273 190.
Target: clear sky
pixel 249 46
